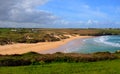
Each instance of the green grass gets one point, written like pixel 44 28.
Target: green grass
pixel 27 35
pixel 101 67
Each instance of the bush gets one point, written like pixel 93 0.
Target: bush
pixel 104 56
pixel 4 41
pixel 14 62
pixel 33 58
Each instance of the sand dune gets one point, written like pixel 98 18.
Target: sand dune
pixel 20 48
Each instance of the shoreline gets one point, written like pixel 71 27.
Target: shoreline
pixel 21 48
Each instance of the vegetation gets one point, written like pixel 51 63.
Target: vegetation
pixel 99 67
pixel 57 63
pixel 28 36
pixel 60 63
pixel 22 35
pixel 35 58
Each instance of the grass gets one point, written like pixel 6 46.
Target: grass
pixel 27 35
pixel 101 67
pixel 33 58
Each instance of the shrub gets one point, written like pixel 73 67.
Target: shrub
pixel 4 41
pixel 14 62
pixel 104 56
pixel 33 58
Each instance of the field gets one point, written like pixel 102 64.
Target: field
pixel 101 67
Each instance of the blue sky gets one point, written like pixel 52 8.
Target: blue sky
pixel 101 11
pixel 84 9
pixel 60 13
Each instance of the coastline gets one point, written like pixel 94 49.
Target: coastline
pixel 21 48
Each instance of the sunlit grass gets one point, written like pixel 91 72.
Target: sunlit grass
pixel 101 67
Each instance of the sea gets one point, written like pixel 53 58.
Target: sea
pixel 90 45
pixel 95 44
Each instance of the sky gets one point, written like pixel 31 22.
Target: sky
pixel 60 13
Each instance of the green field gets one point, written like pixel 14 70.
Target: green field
pixel 101 67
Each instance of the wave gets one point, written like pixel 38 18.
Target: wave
pixel 105 40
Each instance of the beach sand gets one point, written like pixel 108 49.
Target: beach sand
pixel 21 48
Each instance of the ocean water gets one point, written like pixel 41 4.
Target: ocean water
pixel 90 45
pixel 96 44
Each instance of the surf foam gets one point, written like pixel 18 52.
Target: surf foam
pixel 105 40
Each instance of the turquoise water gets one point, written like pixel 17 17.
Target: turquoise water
pixel 90 45
pixel 97 44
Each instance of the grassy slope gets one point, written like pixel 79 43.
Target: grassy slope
pixel 101 67
pixel 23 35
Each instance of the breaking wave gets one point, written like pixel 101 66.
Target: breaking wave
pixel 108 40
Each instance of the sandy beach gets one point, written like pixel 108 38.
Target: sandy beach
pixel 21 48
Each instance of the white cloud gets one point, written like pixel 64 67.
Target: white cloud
pixel 89 12
pixel 19 25
pixel 90 22
pixel 23 11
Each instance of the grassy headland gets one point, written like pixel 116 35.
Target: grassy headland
pixel 22 35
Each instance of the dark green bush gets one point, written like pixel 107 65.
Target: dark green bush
pixel 104 56
pixel 4 41
pixel 33 58
pixel 14 62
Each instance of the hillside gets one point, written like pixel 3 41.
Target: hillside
pixel 24 35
